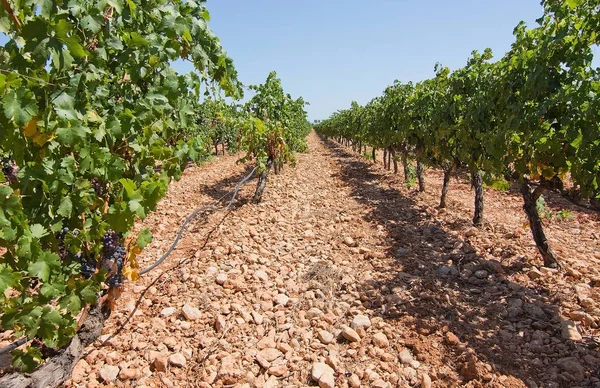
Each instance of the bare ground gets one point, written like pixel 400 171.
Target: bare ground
pixel 257 296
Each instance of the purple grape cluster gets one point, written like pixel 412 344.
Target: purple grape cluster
pixel 10 172
pixel 62 250
pixel 98 187
pixel 113 257
pixel 88 265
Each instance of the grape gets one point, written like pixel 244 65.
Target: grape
pixel 113 257
pixel 88 265
pixel 10 172
pixel 98 187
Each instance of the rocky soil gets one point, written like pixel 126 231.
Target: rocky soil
pixel 343 277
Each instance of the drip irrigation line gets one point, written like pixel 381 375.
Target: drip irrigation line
pixel 21 341
pixel 191 217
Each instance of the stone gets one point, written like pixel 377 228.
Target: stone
pixel 569 331
pixel 257 318
pixel 481 274
pixel 380 340
pixel 109 373
pixel 349 334
pixel 191 313
pixel 80 371
pixel 425 381
pixel 354 381
pixel 221 278
pixel 270 354
pixel 380 383
pixel 229 374
pixel 447 271
pixel 168 311
pixel 261 275
pixel 535 274
pixel 160 362
pixel 177 360
pixel 327 381
pixel 282 299
pixel 325 337
pixel 572 365
pixel 360 321
pixel 314 312
pixel 130 374
pixel 405 357
pixel 323 374
pixel 472 232
pixel 469 371
pixel 349 241
pixel 277 370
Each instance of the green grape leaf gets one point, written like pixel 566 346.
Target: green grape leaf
pixel 144 238
pixel 20 106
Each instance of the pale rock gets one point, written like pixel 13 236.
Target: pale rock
pixel 361 321
pixel 282 299
pixel 380 384
pixel 130 374
pixel 380 340
pixel 262 361
pixel 349 241
pixel 257 318
pixel 191 313
pixel 535 274
pixel 266 342
pixel 261 275
pixel 270 354
pixel 354 381
pixel 168 311
pixel 472 232
pixel 405 357
pixel 570 332
pixel 325 337
pixel 177 360
pixel 314 313
pixel 221 278
pixel 349 334
pixel 323 374
pixel 277 370
pixel 425 381
pixel 109 373
pixel 327 381
pixel 80 371
pixel 220 323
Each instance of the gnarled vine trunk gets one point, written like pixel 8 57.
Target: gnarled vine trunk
pixel 447 174
pixel 385 158
pixel 405 167
pixel 374 154
pixel 262 182
pixel 393 156
pixel 420 176
pixel 58 369
pixel 530 198
pixel 477 183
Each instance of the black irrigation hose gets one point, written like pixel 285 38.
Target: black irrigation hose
pixel 189 218
pixel 13 346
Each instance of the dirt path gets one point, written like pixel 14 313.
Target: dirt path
pixel 337 242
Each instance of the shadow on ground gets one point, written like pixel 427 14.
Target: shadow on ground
pixel 223 189
pixel 438 286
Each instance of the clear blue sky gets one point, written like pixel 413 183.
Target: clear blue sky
pixel 332 52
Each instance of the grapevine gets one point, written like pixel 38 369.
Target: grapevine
pixel 532 115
